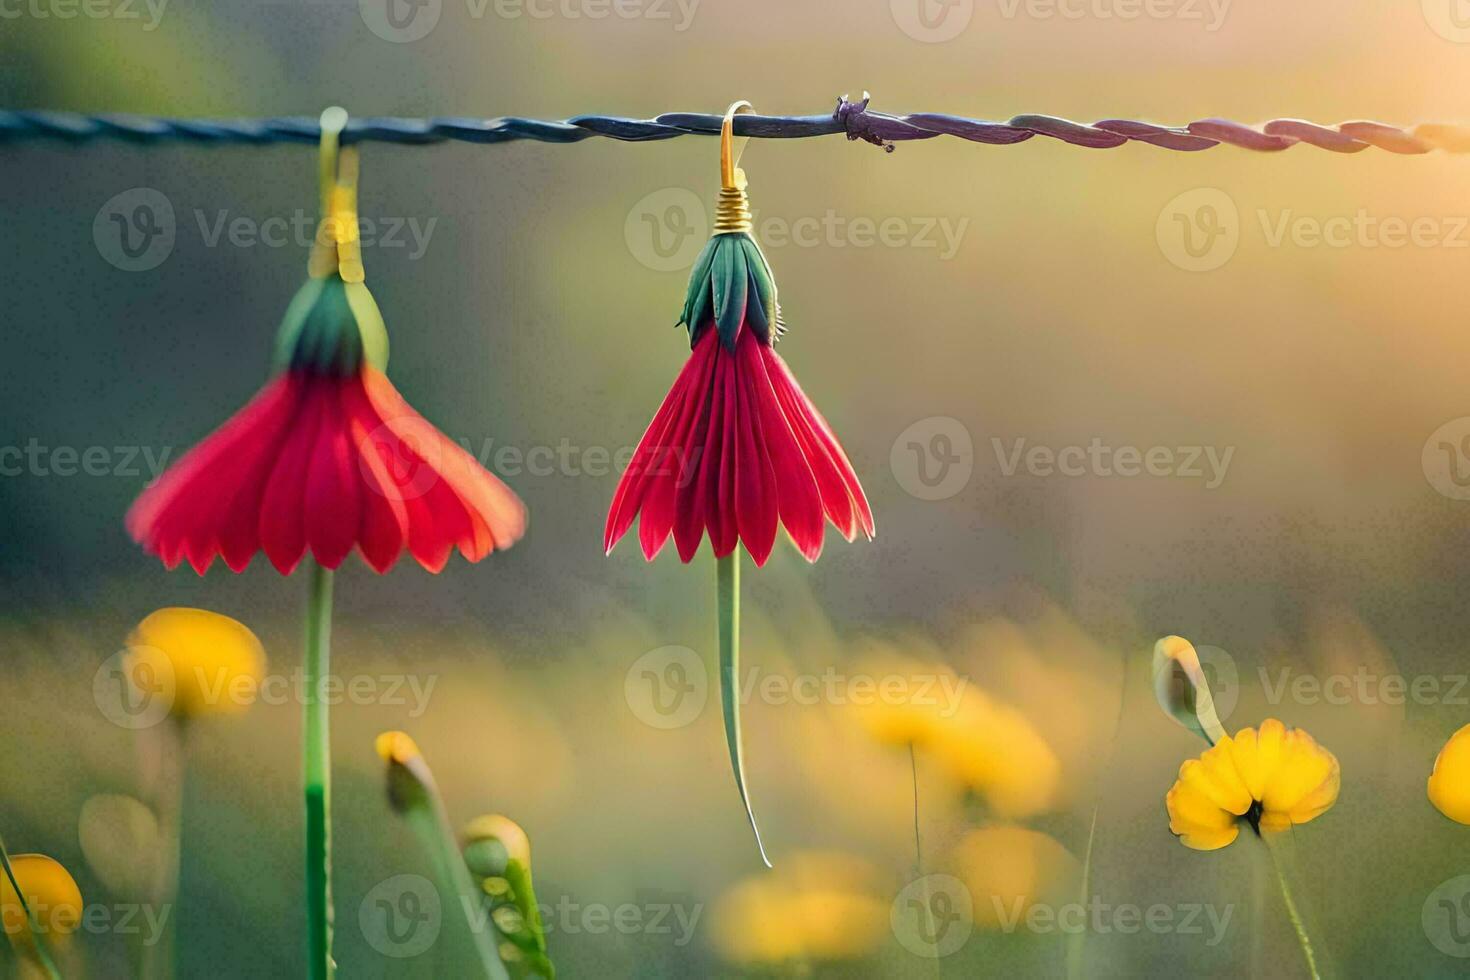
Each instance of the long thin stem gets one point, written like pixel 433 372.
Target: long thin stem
pixel 159 957
pixel 317 758
pixel 37 939
pixel 919 855
pixel 1294 915
pixel 727 576
pixel 432 827
pixel 918 849
pixel 1078 940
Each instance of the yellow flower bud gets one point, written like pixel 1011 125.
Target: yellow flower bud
pixel 50 892
pixel 1182 690
pixel 495 826
pixel 397 747
pixel 1449 783
pixel 209 663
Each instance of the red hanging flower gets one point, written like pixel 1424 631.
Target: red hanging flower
pixel 736 446
pixel 327 457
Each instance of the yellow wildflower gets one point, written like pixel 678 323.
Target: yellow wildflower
pixel 995 751
pixel 981 744
pixel 211 664
pixel 1008 869
pixel 1271 779
pixel 1449 783
pixel 816 907
pixel 50 892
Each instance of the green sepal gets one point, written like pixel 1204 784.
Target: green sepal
pixel 332 327
pixel 696 297
pixel 731 285
pixel 765 284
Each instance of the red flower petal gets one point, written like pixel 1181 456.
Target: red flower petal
pixel 756 494
pixel 331 463
pixel 181 511
pixel 800 498
pixel 735 449
pixel 282 521
pixel 384 518
pixel 332 502
pixel 450 499
pixel 822 450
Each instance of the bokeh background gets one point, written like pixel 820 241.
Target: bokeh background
pixel 539 315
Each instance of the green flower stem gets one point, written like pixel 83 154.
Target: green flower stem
pixel 432 827
pixel 727 581
pixel 1294 914
pixel 159 958
pixel 317 756
pixel 1077 941
pixel 919 856
pixel 37 936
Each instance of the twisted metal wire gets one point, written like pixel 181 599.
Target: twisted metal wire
pixel 853 119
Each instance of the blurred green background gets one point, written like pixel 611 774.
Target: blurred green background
pixel 538 314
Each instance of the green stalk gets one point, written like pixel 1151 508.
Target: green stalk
pixel 432 827
pixel 919 856
pixel 1294 914
pixel 727 580
pixel 1077 941
pixel 317 756
pixel 159 959
pixel 43 954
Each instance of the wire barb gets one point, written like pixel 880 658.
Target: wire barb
pixel 852 119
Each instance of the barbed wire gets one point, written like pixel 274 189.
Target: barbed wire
pixel 852 119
